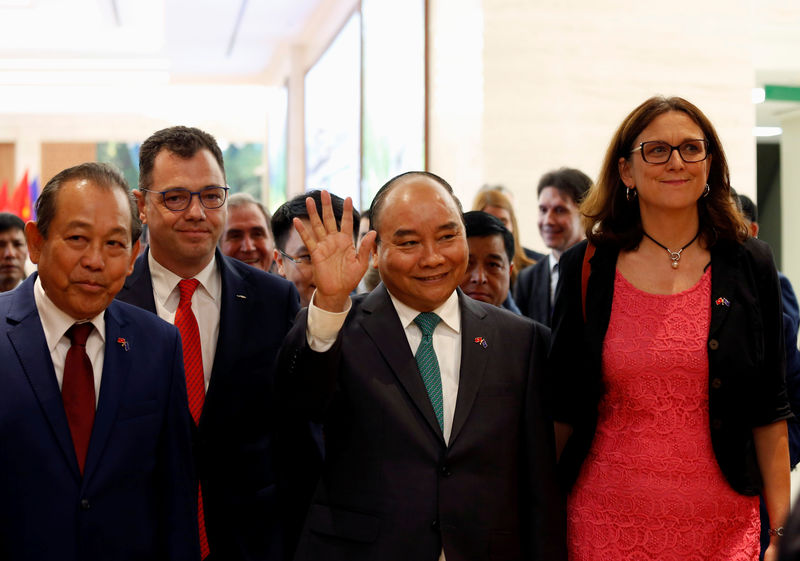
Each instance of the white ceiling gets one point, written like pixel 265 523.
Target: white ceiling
pixel 191 40
pixel 142 42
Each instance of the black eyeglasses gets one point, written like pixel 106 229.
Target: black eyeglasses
pixel 299 260
pixel 659 152
pixel 179 198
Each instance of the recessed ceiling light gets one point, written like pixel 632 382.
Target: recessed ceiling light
pixel 767 131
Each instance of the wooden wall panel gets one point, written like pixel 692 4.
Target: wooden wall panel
pixel 7 171
pixel 57 156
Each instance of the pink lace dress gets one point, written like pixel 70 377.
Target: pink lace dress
pixel 651 488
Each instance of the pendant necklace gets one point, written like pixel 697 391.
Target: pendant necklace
pixel 674 255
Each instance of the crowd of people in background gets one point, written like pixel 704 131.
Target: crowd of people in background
pixel 405 382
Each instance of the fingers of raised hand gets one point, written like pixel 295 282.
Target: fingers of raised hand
pixel 308 237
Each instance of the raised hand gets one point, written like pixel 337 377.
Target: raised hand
pixel 338 266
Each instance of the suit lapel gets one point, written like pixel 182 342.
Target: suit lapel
pixel 28 340
pixel 138 288
pixel 116 366
pixel 724 280
pixel 382 325
pixel 234 303
pixel 474 358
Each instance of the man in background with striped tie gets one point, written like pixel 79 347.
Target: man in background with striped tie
pixel 232 319
pixel 95 437
pixel 437 445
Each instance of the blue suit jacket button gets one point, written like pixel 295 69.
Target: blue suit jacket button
pixel 85 505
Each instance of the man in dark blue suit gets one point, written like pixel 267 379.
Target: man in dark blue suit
pixel 560 195
pixel 95 461
pixel 239 317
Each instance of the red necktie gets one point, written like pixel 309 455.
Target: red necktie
pixel 195 380
pixel 77 390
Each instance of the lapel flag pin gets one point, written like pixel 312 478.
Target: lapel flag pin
pixel 723 302
pixel 123 343
pixel 242 296
pixel 481 341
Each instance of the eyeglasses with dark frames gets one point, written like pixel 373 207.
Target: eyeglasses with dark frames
pixel 659 152
pixel 179 198
pixel 299 260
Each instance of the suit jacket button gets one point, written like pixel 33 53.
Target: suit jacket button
pixel 445 471
pixel 85 504
pixel 716 383
pixel 713 344
pixel 435 525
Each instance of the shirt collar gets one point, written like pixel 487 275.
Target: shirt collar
pixel 552 261
pixel 55 321
pixel 449 312
pixel 165 281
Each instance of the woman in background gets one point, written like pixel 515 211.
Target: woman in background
pixel 673 412
pixel 495 202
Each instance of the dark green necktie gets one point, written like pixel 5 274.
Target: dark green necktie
pixel 428 364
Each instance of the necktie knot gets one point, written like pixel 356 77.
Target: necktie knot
pixel 187 288
pixel 79 333
pixel 427 322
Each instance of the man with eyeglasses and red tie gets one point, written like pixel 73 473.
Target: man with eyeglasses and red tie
pixel 232 320
pixel 96 459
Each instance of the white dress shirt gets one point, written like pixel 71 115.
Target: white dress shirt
pixel 55 324
pixel 205 304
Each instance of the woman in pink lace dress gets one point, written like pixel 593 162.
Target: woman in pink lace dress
pixel 667 356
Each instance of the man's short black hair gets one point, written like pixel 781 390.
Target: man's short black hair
pixel 748 207
pixel 570 181
pixel 10 221
pixel 480 224
pixel 296 208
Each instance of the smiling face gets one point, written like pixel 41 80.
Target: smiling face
pixel 423 253
pixel 559 220
pixel 247 237
pixel 674 185
pixel 488 273
pixel 87 254
pixel 183 241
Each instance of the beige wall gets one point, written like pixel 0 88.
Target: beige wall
pixel 550 82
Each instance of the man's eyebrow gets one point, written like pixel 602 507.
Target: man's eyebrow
pixel 408 232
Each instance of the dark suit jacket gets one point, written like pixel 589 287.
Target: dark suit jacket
pixel 391 489
pixel 136 499
pixel 234 453
pixel 745 354
pixel 532 292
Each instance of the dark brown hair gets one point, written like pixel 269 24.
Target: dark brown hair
pixel 182 141
pixel 609 218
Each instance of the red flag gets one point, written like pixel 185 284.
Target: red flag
pixel 20 203
pixel 4 196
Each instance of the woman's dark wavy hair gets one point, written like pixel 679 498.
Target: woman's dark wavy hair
pixel 608 216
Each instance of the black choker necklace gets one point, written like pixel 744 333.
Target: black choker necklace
pixel 674 255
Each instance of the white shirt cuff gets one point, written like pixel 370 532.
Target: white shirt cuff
pixel 323 326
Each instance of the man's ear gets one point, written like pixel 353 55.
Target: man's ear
pixel 134 255
pixel 140 202
pixel 278 259
pixel 35 241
